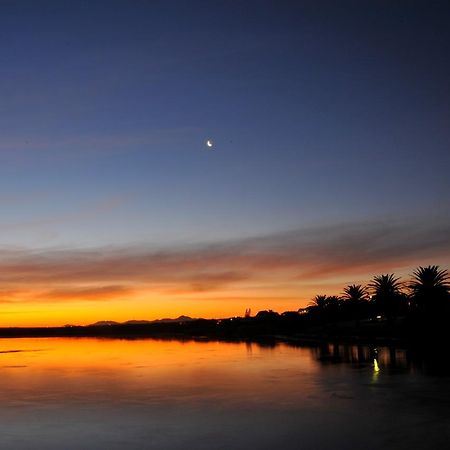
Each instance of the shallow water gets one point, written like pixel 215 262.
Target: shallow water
pixel 150 394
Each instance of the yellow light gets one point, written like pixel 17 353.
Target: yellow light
pixel 376 367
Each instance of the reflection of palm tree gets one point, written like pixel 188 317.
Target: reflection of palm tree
pixel 387 293
pixel 430 288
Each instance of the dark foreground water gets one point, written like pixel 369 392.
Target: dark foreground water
pixel 148 394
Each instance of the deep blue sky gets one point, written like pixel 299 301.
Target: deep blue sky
pixel 321 112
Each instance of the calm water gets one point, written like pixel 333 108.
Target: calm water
pixel 148 394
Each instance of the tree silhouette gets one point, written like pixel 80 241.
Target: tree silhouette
pixel 326 307
pixel 355 293
pixel 423 317
pixel 333 301
pixel 319 302
pixel 355 300
pixel 430 287
pixel 387 295
pixel 334 307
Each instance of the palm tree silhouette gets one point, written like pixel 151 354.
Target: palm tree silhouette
pixel 319 302
pixel 355 301
pixel 326 307
pixel 430 287
pixel 387 294
pixel 355 293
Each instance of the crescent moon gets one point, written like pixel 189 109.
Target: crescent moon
pixel 209 143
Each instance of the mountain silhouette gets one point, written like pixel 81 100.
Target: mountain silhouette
pixel 141 322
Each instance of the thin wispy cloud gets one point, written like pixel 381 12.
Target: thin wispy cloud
pixel 86 293
pixel 302 257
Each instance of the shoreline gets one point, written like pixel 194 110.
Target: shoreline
pixel 170 332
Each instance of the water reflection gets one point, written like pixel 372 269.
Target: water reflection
pixel 166 395
pixel 432 361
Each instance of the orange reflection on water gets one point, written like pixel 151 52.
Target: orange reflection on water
pixel 158 372
pixel 171 395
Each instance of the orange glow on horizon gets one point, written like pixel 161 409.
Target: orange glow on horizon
pixel 74 303
pixel 32 309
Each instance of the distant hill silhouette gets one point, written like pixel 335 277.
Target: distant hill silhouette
pixel 102 323
pixel 180 319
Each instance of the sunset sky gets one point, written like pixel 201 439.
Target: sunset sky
pixel 330 164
